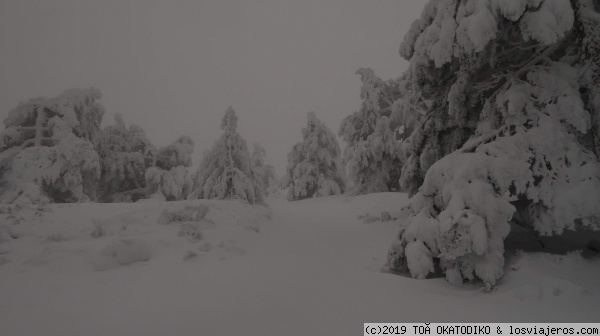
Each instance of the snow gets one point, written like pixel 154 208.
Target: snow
pixel 293 268
pixel 549 23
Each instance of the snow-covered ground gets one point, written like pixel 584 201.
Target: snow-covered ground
pixel 308 267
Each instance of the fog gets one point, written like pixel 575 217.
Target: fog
pixel 173 67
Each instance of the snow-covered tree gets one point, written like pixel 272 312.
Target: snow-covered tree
pixel 226 171
pixel 315 166
pixel 377 97
pixel 587 33
pixel 169 175
pixel 374 164
pixel 47 149
pixel 506 138
pixel 265 172
pixel 125 154
pixel 373 169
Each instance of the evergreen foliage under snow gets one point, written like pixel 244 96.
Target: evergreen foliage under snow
pixel 265 172
pixel 226 171
pixel 315 167
pixel 47 149
pixel 169 176
pixel 372 152
pixel 509 135
pixel 125 153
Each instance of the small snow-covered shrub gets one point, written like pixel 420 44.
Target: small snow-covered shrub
pixel 205 247
pixel 386 217
pixel 173 184
pixel 122 252
pixel 189 213
pixel 98 228
pixel 368 218
pixel 190 229
pixel 189 255
pixel 56 237
pixel 7 234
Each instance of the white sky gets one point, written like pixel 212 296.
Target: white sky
pixel 173 67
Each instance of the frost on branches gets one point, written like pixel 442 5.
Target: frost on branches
pixel 47 149
pixel 226 171
pixel 169 176
pixel 314 165
pixel 509 135
pixel 125 153
pixel 265 172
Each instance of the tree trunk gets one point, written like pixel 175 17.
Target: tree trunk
pixel 39 125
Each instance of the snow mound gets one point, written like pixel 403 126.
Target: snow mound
pixel 542 276
pixel 122 252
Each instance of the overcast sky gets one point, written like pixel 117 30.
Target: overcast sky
pixel 173 67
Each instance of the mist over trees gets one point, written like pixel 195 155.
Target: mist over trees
pixel 54 151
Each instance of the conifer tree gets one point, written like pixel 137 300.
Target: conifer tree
pixel 169 175
pixel 47 149
pixel 508 136
pixel 226 171
pixel 125 154
pixel 315 167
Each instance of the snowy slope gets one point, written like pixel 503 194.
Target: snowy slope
pixel 295 268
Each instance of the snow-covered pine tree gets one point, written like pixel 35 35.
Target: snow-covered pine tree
pixel 587 32
pixel 125 154
pixel 226 171
pixel 315 167
pixel 506 137
pixel 372 169
pixel 374 163
pixel 169 175
pixel 265 172
pixel 47 149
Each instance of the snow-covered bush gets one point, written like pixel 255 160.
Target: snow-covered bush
pixel 170 176
pixel 226 171
pixel 314 165
pixel 125 153
pixel 265 172
pixel 506 138
pixel 122 252
pixel 47 149
pixel 187 214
